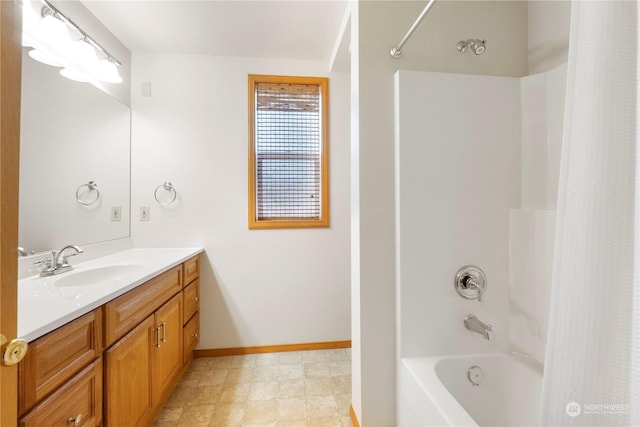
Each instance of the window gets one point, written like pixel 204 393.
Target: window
pixel 288 164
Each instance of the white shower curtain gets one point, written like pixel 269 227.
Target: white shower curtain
pixel 592 366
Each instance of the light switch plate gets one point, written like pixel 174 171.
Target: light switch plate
pixel 116 213
pixel 144 213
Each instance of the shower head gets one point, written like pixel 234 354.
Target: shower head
pixel 477 46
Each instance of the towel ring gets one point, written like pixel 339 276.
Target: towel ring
pixel 91 186
pixel 167 186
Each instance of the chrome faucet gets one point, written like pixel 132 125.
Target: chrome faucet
pixel 54 265
pixel 472 323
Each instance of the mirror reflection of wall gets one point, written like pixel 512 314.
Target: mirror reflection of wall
pixel 71 133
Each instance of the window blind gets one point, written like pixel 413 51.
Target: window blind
pixel 288 150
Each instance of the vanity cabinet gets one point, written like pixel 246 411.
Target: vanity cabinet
pixel 121 360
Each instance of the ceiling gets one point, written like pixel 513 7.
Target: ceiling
pixel 293 29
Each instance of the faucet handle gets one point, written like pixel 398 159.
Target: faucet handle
pixel 65 258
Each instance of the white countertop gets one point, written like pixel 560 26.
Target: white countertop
pixel 44 305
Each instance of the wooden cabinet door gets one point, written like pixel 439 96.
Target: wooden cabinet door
pixel 191 295
pixel 128 399
pixel 167 353
pixel 77 403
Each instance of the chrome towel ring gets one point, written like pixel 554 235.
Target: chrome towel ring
pixel 167 186
pixel 91 186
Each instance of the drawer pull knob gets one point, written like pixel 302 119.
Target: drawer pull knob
pixel 194 335
pixel 76 421
pixel 195 299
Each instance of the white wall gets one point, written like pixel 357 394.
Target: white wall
pixel 259 287
pixel 378 26
pixel 548 33
pixel 458 175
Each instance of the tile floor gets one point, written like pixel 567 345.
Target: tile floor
pixel 295 389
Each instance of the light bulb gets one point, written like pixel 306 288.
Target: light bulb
pixel 107 71
pixel 72 74
pixel 83 53
pixel 44 58
pixel 53 32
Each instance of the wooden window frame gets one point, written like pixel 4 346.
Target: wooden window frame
pixel 323 221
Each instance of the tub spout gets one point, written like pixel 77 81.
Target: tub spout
pixel 472 323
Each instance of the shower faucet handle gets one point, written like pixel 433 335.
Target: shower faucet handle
pixel 470 282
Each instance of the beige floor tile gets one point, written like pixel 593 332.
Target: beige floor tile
pixel 266 373
pixel 180 396
pixel 291 423
pixel 292 410
pixel 321 407
pixel 325 421
pixel 340 368
pixel 290 358
pixel 168 416
pixel 228 414
pixel 341 385
pixel 263 390
pixel 294 389
pixel 260 412
pixel 289 372
pixel 244 361
pixel 196 415
pixel 317 386
pixel 325 355
pixel 205 395
pixel 207 363
pixel 235 393
pixel 267 359
pixel 240 375
pixel 213 377
pixel 316 369
pixel 291 389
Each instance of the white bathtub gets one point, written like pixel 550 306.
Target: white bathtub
pixel 436 391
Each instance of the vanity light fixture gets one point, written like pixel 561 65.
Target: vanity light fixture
pixel 56 40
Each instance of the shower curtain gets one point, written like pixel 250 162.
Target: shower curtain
pixel 592 365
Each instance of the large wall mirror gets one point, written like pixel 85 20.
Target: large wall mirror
pixel 71 134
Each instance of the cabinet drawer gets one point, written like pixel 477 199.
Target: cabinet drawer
pixel 191 269
pixel 57 356
pixel 125 312
pixel 76 403
pixel 191 300
pixel 191 336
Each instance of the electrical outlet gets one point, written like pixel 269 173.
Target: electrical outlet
pixel 144 213
pixel 116 213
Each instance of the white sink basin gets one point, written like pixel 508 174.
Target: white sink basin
pixel 99 275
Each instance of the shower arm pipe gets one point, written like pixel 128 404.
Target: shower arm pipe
pixel 396 51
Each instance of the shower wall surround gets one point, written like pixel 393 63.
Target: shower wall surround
pixel 532 227
pixel 457 176
pixel 477 161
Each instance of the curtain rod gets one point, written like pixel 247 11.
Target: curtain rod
pixel 396 51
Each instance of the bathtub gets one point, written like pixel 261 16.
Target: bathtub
pixel 437 391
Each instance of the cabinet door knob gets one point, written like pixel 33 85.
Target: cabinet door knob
pixel 75 420
pixel 12 351
pixel 195 299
